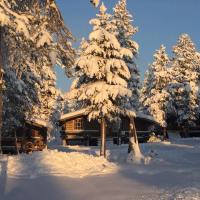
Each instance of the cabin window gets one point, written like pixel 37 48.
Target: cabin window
pixel 125 124
pixel 78 124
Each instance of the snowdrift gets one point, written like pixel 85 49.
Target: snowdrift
pixel 55 163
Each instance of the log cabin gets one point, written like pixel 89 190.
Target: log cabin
pixel 30 137
pixel 77 130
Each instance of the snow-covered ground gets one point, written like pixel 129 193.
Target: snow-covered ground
pixel 77 173
pixel 54 163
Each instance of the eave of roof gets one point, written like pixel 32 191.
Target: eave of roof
pixel 37 122
pixel 84 111
pixel 74 114
pixel 145 116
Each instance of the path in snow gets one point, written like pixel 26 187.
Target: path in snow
pixel 107 187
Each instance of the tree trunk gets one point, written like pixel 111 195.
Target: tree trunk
pixel 1 88
pixel 103 138
pixel 165 135
pixel 134 149
pixel 132 134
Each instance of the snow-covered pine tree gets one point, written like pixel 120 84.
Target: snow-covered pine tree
pixel 47 95
pixel 103 75
pixel 184 85
pixel 123 20
pixel 54 50
pixel 71 102
pixel 9 19
pixel 15 34
pixel 16 102
pixel 154 93
pixel 33 57
pixel 13 20
pixel 47 36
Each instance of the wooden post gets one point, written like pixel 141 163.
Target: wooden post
pixel 132 134
pixel 103 138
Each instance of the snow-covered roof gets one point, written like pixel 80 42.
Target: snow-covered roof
pixel 37 122
pixel 84 111
pixel 145 116
pixel 74 114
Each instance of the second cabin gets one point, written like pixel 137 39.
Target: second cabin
pixel 31 137
pixel 77 130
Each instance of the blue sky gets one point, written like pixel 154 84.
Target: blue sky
pixel 159 22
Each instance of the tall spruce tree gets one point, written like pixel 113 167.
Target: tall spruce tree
pixel 102 73
pixel 123 21
pixel 154 93
pixel 100 68
pixel 184 85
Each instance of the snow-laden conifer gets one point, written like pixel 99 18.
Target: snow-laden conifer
pixel 32 59
pixel 184 85
pixel 123 20
pixel 48 36
pixel 154 93
pixel 102 73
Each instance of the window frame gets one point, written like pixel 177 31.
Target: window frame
pixel 78 124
